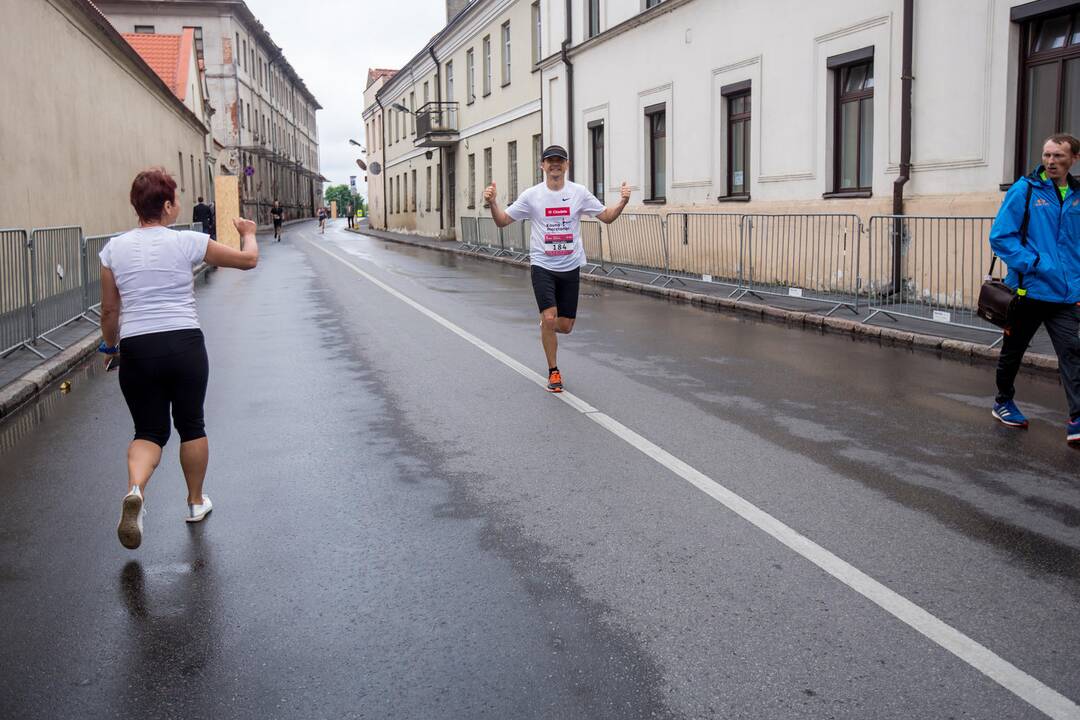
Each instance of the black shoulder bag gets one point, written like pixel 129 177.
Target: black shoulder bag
pixel 997 301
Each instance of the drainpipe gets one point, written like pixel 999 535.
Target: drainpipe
pixel 905 144
pixel 569 84
pixel 442 150
pixel 382 130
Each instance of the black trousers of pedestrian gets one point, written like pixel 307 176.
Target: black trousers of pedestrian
pixel 1063 325
pixel 165 371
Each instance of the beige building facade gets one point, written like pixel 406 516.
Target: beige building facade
pixel 88 117
pixel 463 113
pixel 265 116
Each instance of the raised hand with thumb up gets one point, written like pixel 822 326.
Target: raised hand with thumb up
pixel 489 193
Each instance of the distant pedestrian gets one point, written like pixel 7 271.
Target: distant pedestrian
pixel 212 230
pixel 322 220
pixel 555 207
pixel 148 319
pixel 349 213
pixel 278 214
pixel 202 215
pixel 1037 235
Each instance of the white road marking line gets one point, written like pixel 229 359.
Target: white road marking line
pixel 1001 671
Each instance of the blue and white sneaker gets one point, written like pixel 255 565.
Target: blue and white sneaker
pixel 1008 414
pixel 1072 432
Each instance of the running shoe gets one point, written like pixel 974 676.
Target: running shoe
pixel 197 512
pixel 1072 432
pixel 554 381
pixel 1008 414
pixel 131 519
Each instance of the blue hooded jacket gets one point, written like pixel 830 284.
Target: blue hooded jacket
pixel 1050 262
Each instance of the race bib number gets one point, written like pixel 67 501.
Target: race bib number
pixel 558 244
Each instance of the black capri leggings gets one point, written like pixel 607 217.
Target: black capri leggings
pixel 159 370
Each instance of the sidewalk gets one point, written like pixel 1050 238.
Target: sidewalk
pixel 956 342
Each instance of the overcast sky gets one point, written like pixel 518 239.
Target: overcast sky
pixel 331 44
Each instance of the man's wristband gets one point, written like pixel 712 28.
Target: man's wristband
pixel 107 349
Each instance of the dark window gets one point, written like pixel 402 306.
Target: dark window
pixel 538 173
pixel 594 17
pixel 197 33
pixel 652 3
pixel 596 159
pixel 147 29
pixel 738 144
pixel 854 143
pixel 656 151
pixel 1050 84
pixel 472 181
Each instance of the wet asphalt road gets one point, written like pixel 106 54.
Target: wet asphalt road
pixel 406 528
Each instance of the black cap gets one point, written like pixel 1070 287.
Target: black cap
pixel 553 151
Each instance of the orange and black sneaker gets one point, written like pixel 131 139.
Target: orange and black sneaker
pixel 554 381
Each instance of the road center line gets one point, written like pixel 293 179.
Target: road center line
pixel 1001 671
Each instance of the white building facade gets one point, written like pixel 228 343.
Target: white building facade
pixel 798 107
pixel 464 112
pixel 265 117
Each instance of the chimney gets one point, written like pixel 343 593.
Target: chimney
pixel 453 7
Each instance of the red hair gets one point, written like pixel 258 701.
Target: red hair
pixel 149 193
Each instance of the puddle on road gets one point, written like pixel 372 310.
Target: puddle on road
pixel 46 405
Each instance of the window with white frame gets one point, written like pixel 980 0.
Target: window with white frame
pixel 470 77
pixel 506 53
pixel 450 81
pixel 512 172
pixel 427 187
pixel 414 189
pixel 487 64
pixel 594 18
pixel 487 169
pixel 538 174
pixel 537 35
pixel 472 181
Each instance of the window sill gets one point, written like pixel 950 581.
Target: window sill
pixel 847 194
pixel 486 94
pixel 505 84
pixel 1005 186
pixel 733 198
pixel 471 207
pixel 655 201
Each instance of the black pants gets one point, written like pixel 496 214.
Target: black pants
pixel 163 371
pixel 556 289
pixel 1063 325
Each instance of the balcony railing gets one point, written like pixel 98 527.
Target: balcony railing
pixel 437 124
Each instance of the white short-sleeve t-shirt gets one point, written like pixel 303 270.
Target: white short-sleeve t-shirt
pixel 556 223
pixel 152 267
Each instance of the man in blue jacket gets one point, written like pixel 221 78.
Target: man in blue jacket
pixel 1037 234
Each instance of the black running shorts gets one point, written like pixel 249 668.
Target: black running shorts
pixel 557 289
pixel 163 372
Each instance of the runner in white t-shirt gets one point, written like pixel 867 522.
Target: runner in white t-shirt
pixel 555 207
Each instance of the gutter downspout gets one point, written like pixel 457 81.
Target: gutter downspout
pixel 382 140
pixel 569 85
pixel 442 150
pixel 905 145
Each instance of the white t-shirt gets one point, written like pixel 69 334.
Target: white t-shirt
pixel 556 223
pixel 152 267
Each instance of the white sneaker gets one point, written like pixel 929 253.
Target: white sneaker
pixel 198 512
pixel 130 528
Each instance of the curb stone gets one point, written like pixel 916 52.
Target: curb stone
pixel 25 388
pixel 943 347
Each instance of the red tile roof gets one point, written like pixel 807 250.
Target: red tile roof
pixel 374 74
pixel 168 55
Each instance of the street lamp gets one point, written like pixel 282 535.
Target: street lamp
pixel 353 142
pixel 400 108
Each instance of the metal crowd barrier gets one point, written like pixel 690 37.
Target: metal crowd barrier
pixel 707 246
pixel 942 264
pixel 56 271
pixel 92 247
pixel 16 316
pixel 469 233
pixel 813 257
pixel 638 242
